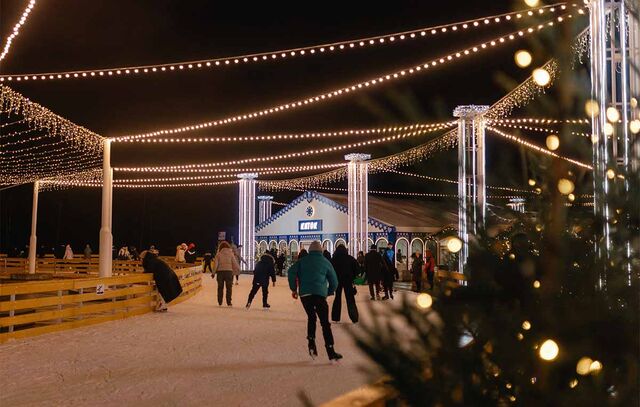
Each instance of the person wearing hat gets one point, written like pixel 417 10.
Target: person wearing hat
pixel 313 279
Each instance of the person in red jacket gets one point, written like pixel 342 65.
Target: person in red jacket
pixel 429 266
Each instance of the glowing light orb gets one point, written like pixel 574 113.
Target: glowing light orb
pixel 523 58
pixel 595 367
pixel 565 186
pixel 611 174
pixel 549 350
pixel 634 126
pixel 526 325
pixel 541 77
pixel 553 142
pixel 584 366
pixel 532 3
pixel 454 245
pixel 591 107
pixel 424 300
pixel 532 182
pixel 613 115
pixel 608 129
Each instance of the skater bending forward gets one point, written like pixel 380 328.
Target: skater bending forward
pixel 313 279
pixel 167 282
pixel 261 274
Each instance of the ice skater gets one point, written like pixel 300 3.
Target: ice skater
pixel 346 268
pixel 312 278
pixel 226 266
pixel 167 281
pixel 261 274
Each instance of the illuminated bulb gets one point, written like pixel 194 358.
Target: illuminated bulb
pixel 634 103
pixel 584 366
pixel 454 245
pixel 613 115
pixel 571 197
pixel 526 325
pixel 532 3
pixel 532 182
pixel 634 126
pixel 591 108
pixel 595 367
pixel 573 383
pixel 565 186
pixel 424 301
pixel 523 58
pixel 549 350
pixel 608 129
pixel 536 284
pixel 553 142
pixel 541 77
pixel 611 174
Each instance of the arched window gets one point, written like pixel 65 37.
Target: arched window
pixel 263 246
pixel 282 247
pixel 327 245
pixel 417 245
pixel 341 242
pixel 402 253
pixel 273 245
pixel 293 249
pixel 382 243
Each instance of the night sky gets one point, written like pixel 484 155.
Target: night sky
pixel 80 34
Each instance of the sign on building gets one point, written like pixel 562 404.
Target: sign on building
pixel 309 225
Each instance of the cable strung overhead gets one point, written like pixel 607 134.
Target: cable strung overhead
pixel 284 54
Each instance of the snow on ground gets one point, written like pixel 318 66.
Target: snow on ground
pixel 196 354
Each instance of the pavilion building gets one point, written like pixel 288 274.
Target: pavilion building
pixel 409 225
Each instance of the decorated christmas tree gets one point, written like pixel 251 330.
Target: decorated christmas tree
pixel 544 319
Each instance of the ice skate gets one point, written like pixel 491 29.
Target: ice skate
pixel 333 355
pixel 266 307
pixel 248 305
pixel 313 351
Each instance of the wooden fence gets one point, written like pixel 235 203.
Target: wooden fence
pixel 38 307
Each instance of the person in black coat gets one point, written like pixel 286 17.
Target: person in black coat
pixel 389 275
pixel 346 267
pixel 265 270
pixel 373 266
pixel 167 281
pixel 191 255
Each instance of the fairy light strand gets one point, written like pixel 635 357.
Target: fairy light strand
pixel 451 181
pixel 355 87
pixel 537 148
pixel 285 54
pixel 274 137
pixel 16 28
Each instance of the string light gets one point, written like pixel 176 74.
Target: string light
pixel 298 168
pixel 136 186
pixel 279 156
pixel 16 28
pixel 541 77
pixel 283 54
pixel 451 181
pixel 537 148
pixel 423 128
pixel 549 350
pixel 531 120
pixel 373 82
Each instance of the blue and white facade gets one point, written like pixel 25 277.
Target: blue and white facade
pixel 323 217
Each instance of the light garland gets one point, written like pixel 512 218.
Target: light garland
pixel 12 123
pixel 537 148
pixel 451 181
pixel 274 137
pixel 412 194
pixel 537 121
pixel 277 157
pixel 373 82
pixel 297 168
pixel 16 28
pixel 57 183
pixel 285 54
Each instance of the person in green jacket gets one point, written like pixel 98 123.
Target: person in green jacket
pixel 313 278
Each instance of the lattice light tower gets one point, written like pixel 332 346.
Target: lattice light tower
pixel 106 237
pixel 265 204
pixel 615 83
pixel 247 218
pixel 472 197
pixel 358 195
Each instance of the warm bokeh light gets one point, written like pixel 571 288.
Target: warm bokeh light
pixel 595 367
pixel 549 350
pixel 532 3
pixel 424 301
pixel 591 108
pixel 526 325
pixel 553 142
pixel 523 58
pixel 608 129
pixel 532 182
pixel 536 284
pixel 613 115
pixel 565 186
pixel 634 126
pixel 571 197
pixel 583 367
pixel 541 77
pixel 454 245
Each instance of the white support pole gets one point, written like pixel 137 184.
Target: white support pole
pixel 247 219
pixel 33 239
pixel 265 205
pixel 106 238
pixel 358 206
pixel 614 84
pixel 472 196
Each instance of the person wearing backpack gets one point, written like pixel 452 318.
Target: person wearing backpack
pixel 313 279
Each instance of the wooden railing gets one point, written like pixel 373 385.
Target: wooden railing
pixel 76 266
pixel 38 307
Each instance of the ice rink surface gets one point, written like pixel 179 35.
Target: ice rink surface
pixel 196 354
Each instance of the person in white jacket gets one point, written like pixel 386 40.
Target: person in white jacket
pixel 226 266
pixel 180 251
pixel 68 253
